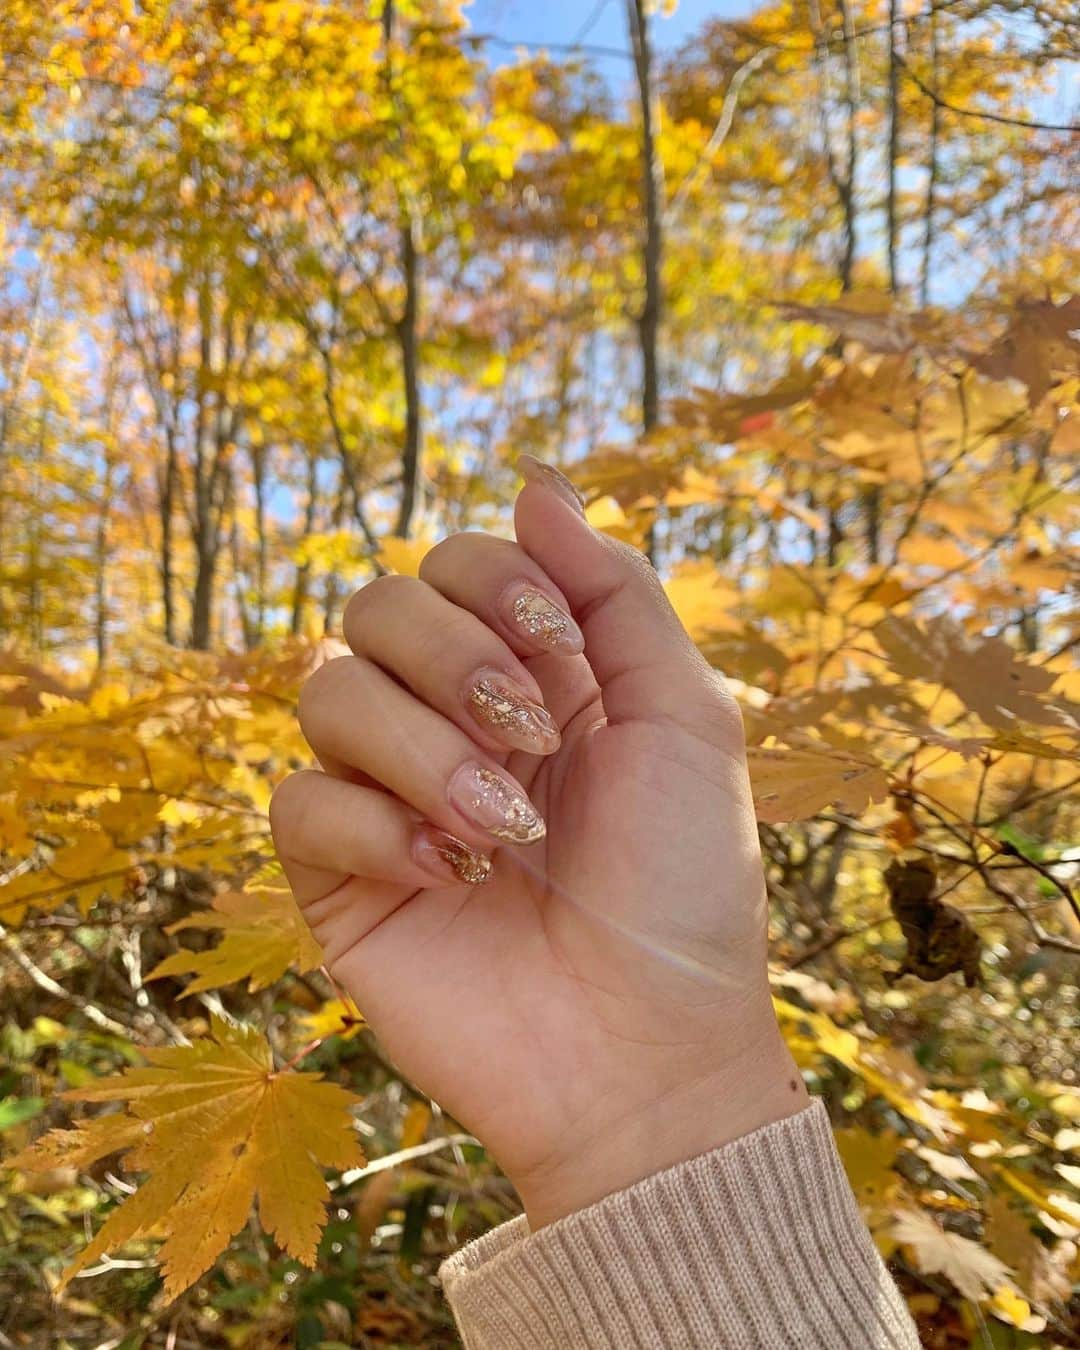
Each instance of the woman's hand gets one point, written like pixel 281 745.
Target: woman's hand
pixel 593 1003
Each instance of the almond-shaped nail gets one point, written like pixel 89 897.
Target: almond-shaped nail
pixel 534 470
pixel 449 858
pixel 513 718
pixel 495 803
pixel 542 621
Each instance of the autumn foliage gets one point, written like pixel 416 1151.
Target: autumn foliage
pixel 284 289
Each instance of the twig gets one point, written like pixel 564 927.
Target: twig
pixel 402 1156
pixel 46 982
pixel 723 126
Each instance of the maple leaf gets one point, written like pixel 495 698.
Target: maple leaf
pixel 983 673
pixel 972 1269
pixel 1037 343
pixel 214 1126
pixel 867 317
pixel 264 935
pixel 797 784
pixel 336 1017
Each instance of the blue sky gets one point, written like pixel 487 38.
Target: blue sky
pixel 563 20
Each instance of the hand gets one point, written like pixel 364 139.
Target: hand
pixel 596 1007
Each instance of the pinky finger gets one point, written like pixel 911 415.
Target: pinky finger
pixel 327 830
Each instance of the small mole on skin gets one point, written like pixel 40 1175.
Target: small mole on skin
pixel 793 1085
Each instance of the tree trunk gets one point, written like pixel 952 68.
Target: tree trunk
pixel 652 257
pixel 891 232
pixel 303 569
pixel 101 566
pixel 408 340
pixel 851 85
pixel 932 169
pixel 407 326
pixel 203 601
pixel 258 479
pixel 166 501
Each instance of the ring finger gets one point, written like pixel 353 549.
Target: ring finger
pixel 415 752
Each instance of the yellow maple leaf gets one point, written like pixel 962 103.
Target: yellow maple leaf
pixel 215 1126
pixel 264 935
pixel 336 1017
pixel 797 784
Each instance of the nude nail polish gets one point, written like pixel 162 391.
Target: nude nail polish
pixel 509 715
pixel 543 622
pixel 534 470
pixel 449 858
pixel 494 802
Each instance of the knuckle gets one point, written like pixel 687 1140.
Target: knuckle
pixel 459 553
pixel 390 589
pixel 444 556
pixel 290 805
pixel 321 687
pixel 723 711
pixel 439 639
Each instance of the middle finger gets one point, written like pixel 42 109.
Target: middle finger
pixel 352 712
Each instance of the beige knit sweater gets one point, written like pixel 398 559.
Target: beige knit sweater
pixel 756 1246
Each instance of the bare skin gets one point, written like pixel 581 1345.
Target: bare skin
pixel 597 1009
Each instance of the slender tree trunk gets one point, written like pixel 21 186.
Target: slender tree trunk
pixel 932 169
pixel 303 570
pixel 332 593
pixel 35 606
pixel 101 565
pixel 258 479
pixel 409 343
pixel 851 100
pixel 652 258
pixel 203 602
pixel 891 228
pixel 408 325
pixel 166 503
pixel 248 621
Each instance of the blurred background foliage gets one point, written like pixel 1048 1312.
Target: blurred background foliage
pixel 285 286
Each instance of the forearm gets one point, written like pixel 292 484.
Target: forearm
pixel 757 1244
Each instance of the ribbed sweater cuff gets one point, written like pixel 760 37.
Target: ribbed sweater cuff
pixel 758 1244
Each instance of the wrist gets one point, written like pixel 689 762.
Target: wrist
pixel 652 1131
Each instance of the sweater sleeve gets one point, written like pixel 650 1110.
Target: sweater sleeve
pixel 758 1245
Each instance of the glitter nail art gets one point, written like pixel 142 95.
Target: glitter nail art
pixel 515 719
pixel 536 471
pixel 495 804
pixel 545 622
pixel 436 850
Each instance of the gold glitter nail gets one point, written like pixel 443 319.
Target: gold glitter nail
pixel 439 853
pixel 466 864
pixel 546 622
pixel 495 804
pixel 536 471
pixel 515 719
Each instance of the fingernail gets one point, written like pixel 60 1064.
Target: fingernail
pixel 495 803
pixel 540 619
pixel 448 858
pixel 534 470
pixel 516 720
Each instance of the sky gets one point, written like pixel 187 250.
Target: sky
pixel 605 21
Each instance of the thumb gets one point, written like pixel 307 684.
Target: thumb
pixel 642 657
